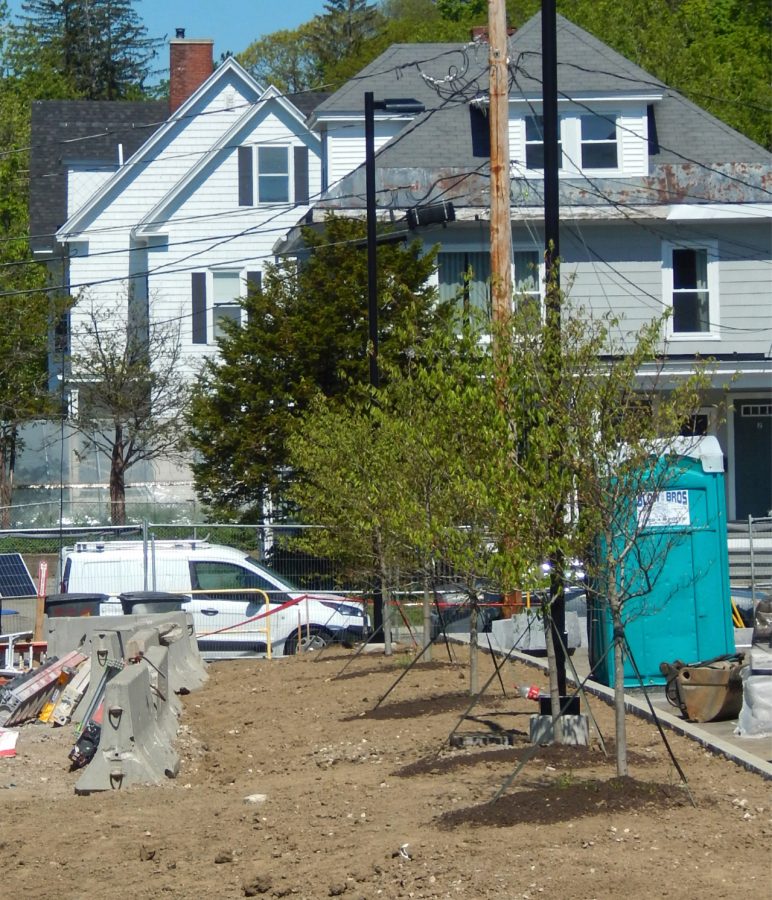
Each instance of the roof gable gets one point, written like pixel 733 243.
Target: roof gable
pixel 270 101
pixel 448 143
pixel 219 82
pixel 92 130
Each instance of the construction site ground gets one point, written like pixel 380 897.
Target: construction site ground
pixel 292 784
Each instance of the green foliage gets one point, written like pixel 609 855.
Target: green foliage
pixel 98 48
pixel 465 450
pixel 716 52
pixel 306 332
pixel 393 476
pixel 25 310
pixel 286 59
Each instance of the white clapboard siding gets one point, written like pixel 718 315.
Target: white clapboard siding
pixel 346 144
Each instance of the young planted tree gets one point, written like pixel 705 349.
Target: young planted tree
pixel 391 476
pixel 465 452
pixel 132 397
pixel 593 444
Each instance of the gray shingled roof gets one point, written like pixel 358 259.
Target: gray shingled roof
pixel 67 130
pixel 307 101
pixel 450 139
pixel 585 64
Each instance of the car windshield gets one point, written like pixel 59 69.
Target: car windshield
pixel 281 580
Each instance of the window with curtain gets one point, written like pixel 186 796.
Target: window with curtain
pixel 465 277
pixel 527 278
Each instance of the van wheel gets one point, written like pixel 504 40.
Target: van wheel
pixel 317 639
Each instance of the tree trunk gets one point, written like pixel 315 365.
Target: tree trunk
pixel 427 611
pixel 473 649
pixel 7 468
pixel 552 669
pixel 117 480
pixel 619 688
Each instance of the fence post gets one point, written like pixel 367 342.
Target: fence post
pixel 144 552
pixel 269 649
pixel 752 560
pixel 152 558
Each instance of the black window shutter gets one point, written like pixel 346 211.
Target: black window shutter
pixel 254 283
pixel 246 188
pixel 198 295
pixel 301 175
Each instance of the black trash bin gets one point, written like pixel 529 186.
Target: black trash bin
pixel 142 603
pixel 57 605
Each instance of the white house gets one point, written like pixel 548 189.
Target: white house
pixel 662 207
pixel 172 232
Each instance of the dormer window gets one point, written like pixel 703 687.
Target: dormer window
pixel 599 141
pixel 534 143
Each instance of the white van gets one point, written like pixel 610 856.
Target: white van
pixel 225 590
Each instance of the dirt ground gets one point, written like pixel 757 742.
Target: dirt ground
pixel 367 803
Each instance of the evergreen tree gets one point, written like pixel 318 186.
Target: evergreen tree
pixel 306 332
pixel 99 47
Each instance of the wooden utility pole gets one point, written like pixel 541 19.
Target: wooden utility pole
pixel 501 228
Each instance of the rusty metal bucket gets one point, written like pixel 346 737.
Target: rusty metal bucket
pixel 709 691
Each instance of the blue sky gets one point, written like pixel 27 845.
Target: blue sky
pixel 233 24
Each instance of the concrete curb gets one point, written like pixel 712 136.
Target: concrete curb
pixel 641 709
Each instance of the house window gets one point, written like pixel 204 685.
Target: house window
pixel 273 175
pixel 599 142
pixel 690 285
pixel 465 277
pixel 691 298
pixel 527 278
pixel 226 306
pixel 62 334
pixel 534 143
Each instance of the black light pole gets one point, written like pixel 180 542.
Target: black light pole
pixel 552 301
pixel 372 269
pixel 405 106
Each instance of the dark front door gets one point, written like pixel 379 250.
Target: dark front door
pixel 753 458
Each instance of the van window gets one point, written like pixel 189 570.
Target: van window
pixel 212 575
pixel 66 576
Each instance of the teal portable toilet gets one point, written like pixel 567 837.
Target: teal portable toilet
pixel 685 613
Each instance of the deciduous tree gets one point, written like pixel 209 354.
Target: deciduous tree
pixel 132 396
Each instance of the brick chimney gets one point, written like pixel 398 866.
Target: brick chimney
pixel 479 33
pixel 190 64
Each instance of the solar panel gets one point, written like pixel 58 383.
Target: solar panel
pixel 15 579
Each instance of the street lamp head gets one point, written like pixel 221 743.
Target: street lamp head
pixel 400 105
